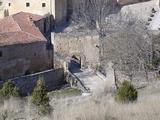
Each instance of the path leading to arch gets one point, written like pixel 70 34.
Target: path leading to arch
pixel 91 80
pixel 94 81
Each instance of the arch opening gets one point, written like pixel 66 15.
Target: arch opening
pixel 75 63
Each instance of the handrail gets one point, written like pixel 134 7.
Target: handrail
pixel 83 87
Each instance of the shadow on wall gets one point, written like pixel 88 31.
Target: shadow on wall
pixel 6 13
pixel 54 79
pixel 75 63
pixel 61 27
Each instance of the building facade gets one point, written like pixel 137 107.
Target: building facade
pixel 23 47
pixel 78 48
pixel 59 9
pixel 56 8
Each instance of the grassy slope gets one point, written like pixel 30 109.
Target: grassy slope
pixel 68 92
pixel 104 108
pixel 91 108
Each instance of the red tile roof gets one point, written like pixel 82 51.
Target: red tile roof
pixel 8 25
pixel 20 29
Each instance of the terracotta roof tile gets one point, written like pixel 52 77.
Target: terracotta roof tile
pixel 19 29
pixel 17 38
pixel 8 25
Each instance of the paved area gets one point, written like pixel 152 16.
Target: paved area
pixel 91 80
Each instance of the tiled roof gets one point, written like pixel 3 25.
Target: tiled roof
pixel 8 25
pixel 17 38
pixel 20 29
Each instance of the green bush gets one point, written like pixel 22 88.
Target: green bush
pixel 44 109
pixel 40 98
pixel 8 90
pixel 156 62
pixel 126 93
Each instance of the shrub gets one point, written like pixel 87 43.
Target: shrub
pixel 44 109
pixel 40 98
pixel 8 90
pixel 156 62
pixel 126 93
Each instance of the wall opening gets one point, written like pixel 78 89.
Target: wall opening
pixel 45 26
pixel 1 54
pixel 9 4
pixel 35 54
pixel 27 4
pixel 43 4
pixel 27 72
pixel 6 13
pixel 1 3
pixel 75 63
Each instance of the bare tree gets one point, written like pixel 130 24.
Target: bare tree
pixel 126 43
pixel 93 12
pixel 130 48
pixel 156 53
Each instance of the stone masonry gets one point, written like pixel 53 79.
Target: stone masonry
pixel 85 46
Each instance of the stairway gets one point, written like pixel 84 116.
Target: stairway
pixel 154 20
pixel 91 80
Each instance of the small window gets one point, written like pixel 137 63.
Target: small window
pixel 27 4
pixel 9 4
pixel 1 3
pixel 43 4
pixel 0 53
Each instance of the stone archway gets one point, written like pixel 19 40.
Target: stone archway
pixel 75 63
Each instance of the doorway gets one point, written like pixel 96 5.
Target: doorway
pixel 75 63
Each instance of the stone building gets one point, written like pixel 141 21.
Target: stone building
pixel 126 2
pixel 23 48
pixel 56 8
pixel 81 47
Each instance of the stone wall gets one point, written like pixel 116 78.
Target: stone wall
pixel 53 80
pixel 21 59
pixel 139 11
pixel 60 11
pixel 44 25
pixel 125 2
pixel 57 8
pixel 83 45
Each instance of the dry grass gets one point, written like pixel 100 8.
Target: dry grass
pixel 89 108
pixel 103 109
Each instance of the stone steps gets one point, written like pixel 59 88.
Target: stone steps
pixel 154 20
pixel 90 80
